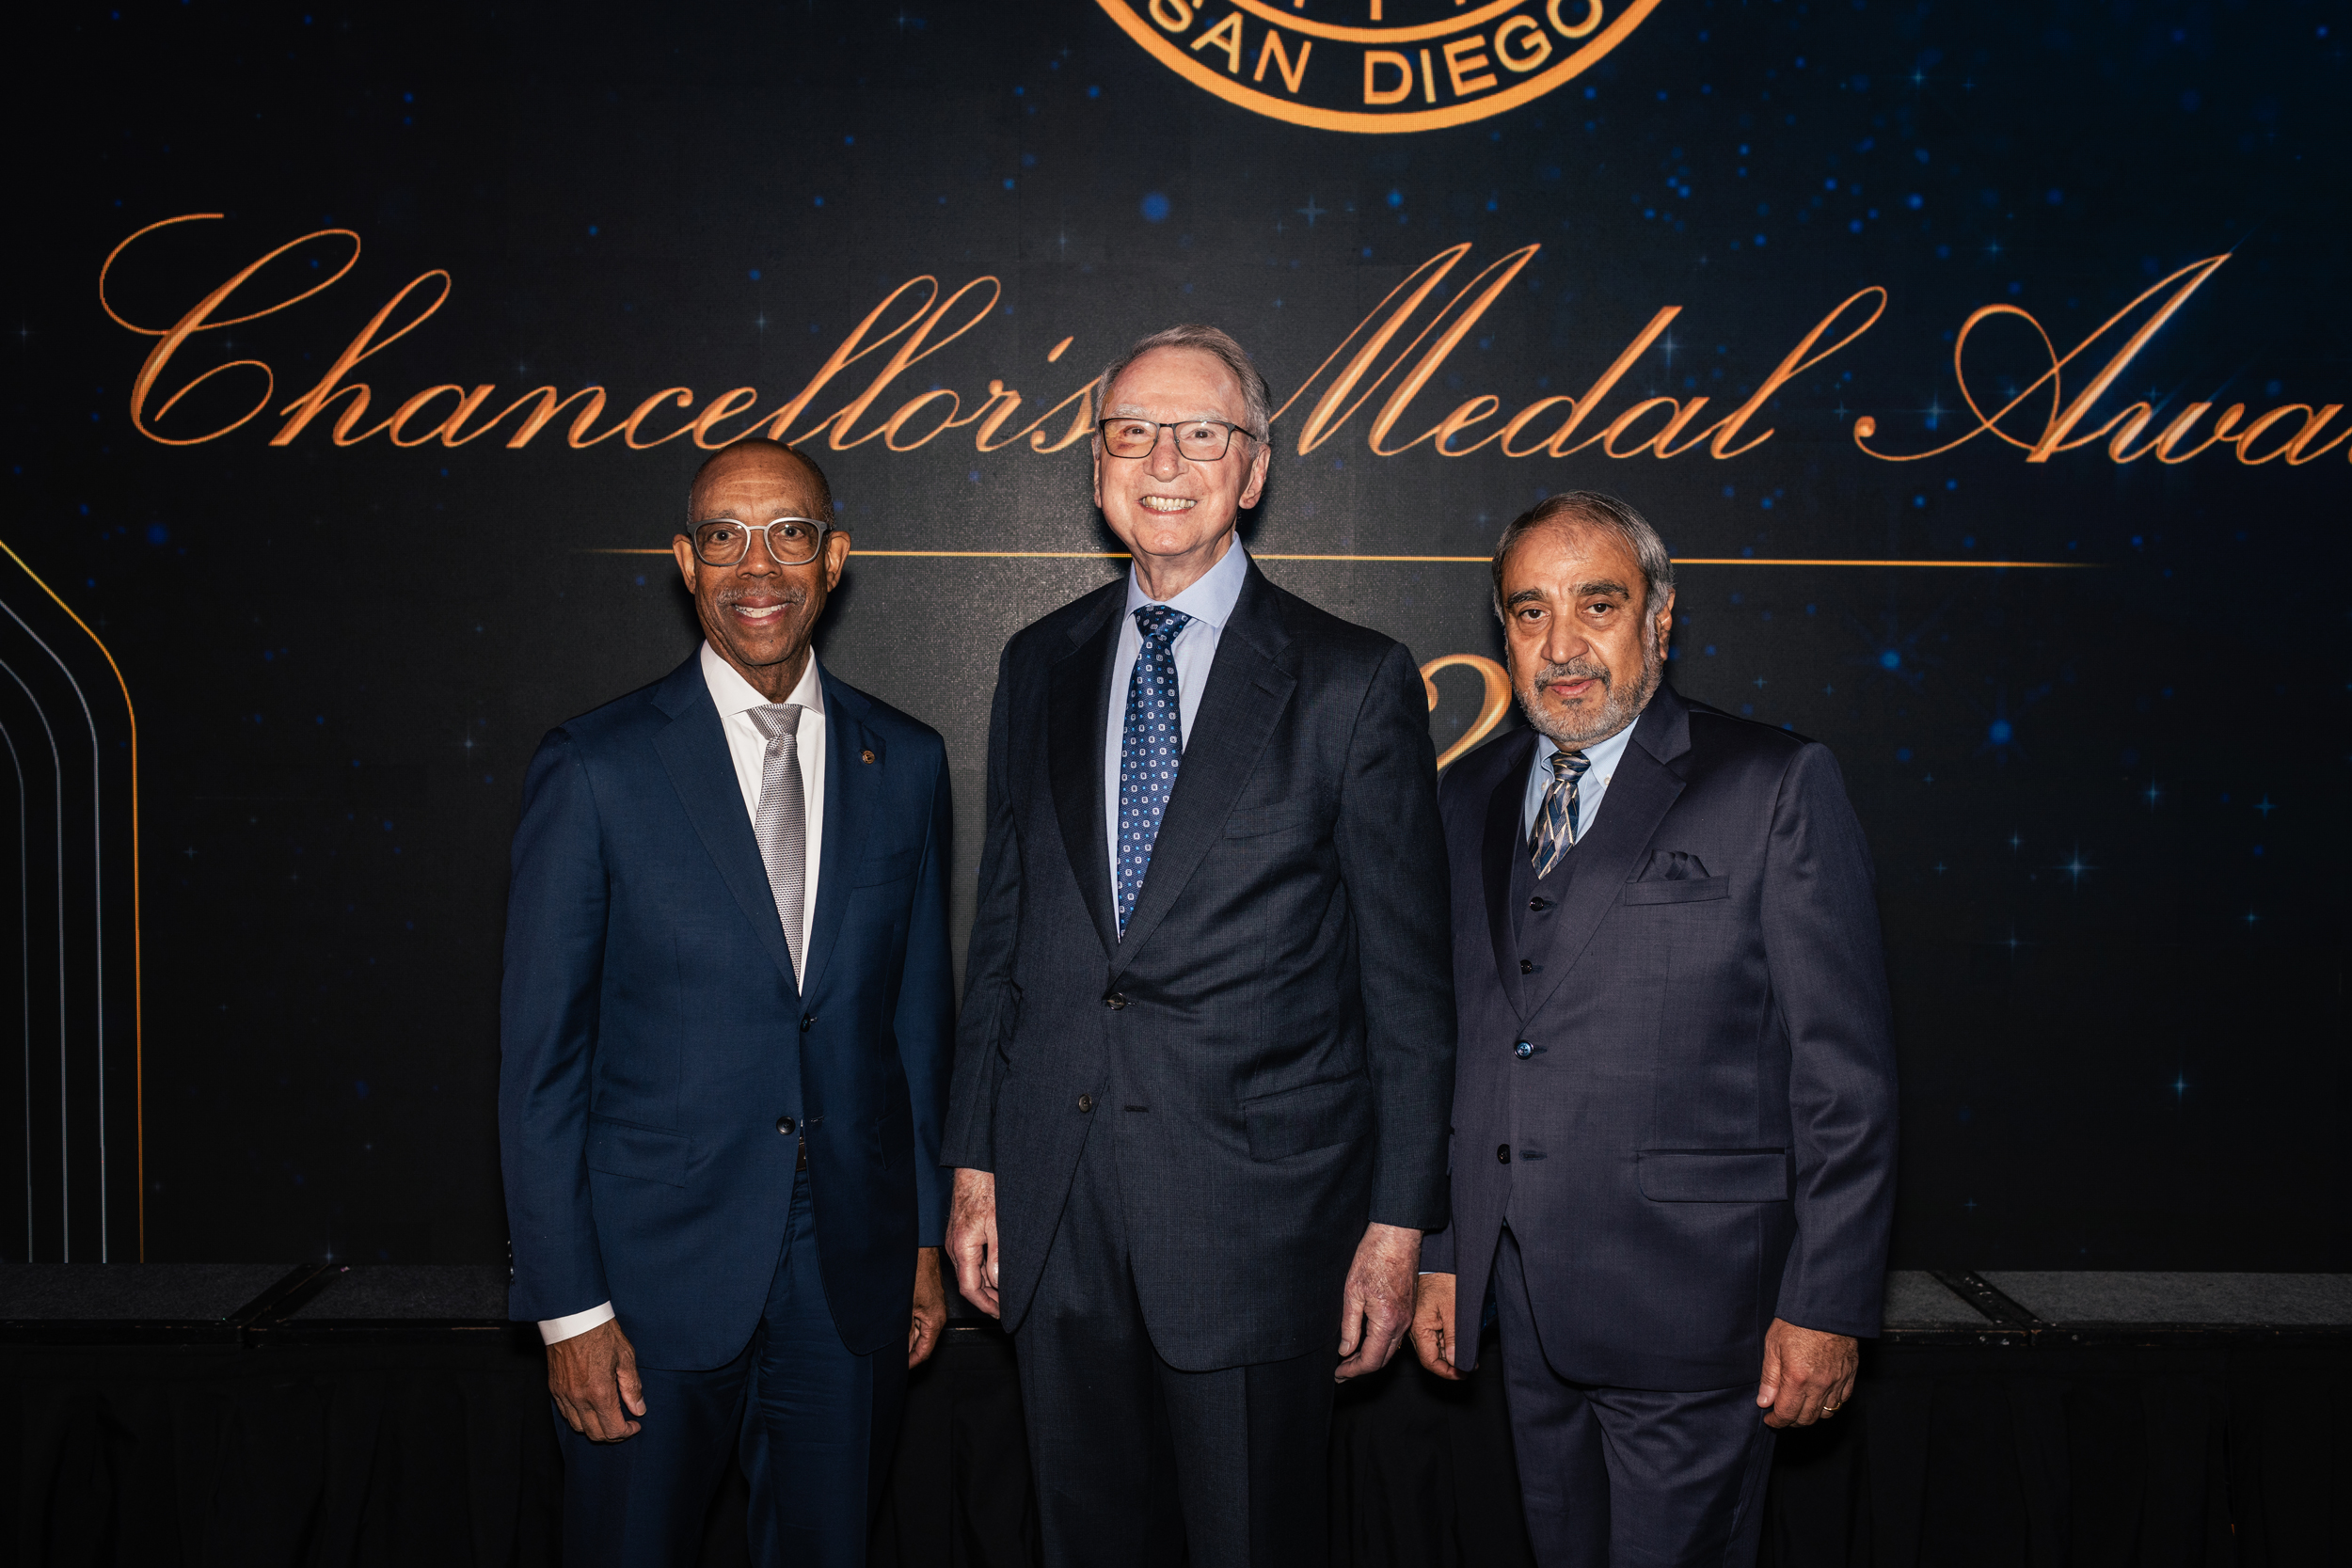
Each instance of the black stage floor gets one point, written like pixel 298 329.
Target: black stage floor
pixel 257 1415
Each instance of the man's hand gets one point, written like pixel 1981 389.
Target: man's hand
pixel 1433 1325
pixel 972 1238
pixel 931 1307
pixel 593 1375
pixel 1807 1374
pixel 1377 1305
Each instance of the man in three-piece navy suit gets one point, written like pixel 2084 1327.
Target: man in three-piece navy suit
pixel 1207 1040
pixel 1673 1112
pixel 726 1026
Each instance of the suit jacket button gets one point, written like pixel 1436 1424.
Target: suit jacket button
pixel 784 1125
pixel 1086 1102
pixel 1524 1049
pixel 1114 1002
pixel 1527 966
pixel 806 1021
pixel 1539 904
pixel 1502 1153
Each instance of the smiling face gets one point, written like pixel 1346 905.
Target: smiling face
pixel 1586 656
pixel 1173 513
pixel 759 615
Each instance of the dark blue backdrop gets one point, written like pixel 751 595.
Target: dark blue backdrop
pixel 2105 798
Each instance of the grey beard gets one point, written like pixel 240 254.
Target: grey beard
pixel 793 597
pixel 1618 708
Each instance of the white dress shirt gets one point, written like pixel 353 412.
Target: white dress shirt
pixel 735 697
pixel 1602 755
pixel 1210 603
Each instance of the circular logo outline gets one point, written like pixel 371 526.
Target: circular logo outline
pixel 1129 15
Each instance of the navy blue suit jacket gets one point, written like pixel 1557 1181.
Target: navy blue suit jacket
pixel 1702 1131
pixel 1276 1018
pixel 652 1035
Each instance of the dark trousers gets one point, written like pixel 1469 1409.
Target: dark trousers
pixel 811 1423
pixel 1628 1478
pixel 1138 1463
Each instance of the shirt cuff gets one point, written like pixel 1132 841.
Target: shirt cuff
pixel 552 1330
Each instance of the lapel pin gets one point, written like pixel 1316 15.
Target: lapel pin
pixel 867 755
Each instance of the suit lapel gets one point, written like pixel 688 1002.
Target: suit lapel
pixel 1644 789
pixel 1497 854
pixel 1247 692
pixel 694 752
pixel 1077 699
pixel 848 815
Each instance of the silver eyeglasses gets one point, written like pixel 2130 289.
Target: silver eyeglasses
pixel 726 541
pixel 1197 440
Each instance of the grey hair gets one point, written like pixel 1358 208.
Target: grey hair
pixel 1594 509
pixel 1256 398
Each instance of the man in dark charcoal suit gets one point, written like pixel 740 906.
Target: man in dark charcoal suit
pixel 1199 1114
pixel 727 1022
pixel 1674 1113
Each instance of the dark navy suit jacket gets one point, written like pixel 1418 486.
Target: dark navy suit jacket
pixel 1701 1134
pixel 1276 1020
pixel 652 1035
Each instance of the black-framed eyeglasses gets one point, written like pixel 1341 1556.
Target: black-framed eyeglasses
pixel 1197 440
pixel 790 541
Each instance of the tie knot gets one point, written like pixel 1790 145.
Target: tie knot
pixel 1569 764
pixel 777 719
pixel 1160 622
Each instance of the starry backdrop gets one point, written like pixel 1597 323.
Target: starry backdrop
pixel 2105 803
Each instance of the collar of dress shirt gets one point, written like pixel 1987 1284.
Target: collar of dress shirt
pixel 1602 755
pixel 734 694
pixel 1211 599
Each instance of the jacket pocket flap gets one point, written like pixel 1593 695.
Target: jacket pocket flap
pixel 1271 819
pixel 1713 1175
pixel 1297 1120
pixel 625 1148
pixel 878 867
pixel 1683 890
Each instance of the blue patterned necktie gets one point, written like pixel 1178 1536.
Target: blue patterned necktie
pixel 1150 748
pixel 1556 825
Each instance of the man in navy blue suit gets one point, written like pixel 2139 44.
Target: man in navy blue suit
pixel 1200 1104
pixel 1673 1107
pixel 725 1034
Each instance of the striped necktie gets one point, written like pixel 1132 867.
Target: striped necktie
pixel 1556 825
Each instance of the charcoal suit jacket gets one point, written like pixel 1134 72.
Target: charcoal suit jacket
pixel 1675 1080
pixel 655 1047
pixel 1274 1033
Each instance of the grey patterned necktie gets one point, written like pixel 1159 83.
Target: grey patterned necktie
pixel 782 826
pixel 1556 824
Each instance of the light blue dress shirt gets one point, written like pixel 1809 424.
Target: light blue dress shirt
pixel 1210 603
pixel 1602 755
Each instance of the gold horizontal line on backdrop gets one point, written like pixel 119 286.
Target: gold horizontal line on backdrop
pixel 1429 560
